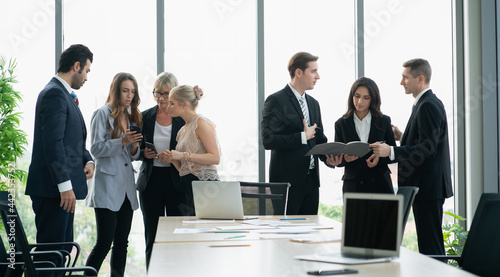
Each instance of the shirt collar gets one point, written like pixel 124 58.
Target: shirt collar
pixel 303 96
pixel 65 84
pixel 420 96
pixel 367 119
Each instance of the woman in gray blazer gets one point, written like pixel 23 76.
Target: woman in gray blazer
pixel 113 194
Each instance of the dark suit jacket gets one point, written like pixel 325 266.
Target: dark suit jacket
pixel 148 130
pixel 358 177
pixel 59 152
pixel 281 133
pixel 424 154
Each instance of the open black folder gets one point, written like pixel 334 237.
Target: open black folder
pixel 356 148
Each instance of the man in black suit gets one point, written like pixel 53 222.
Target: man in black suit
pixel 291 126
pixel 60 163
pixel 424 156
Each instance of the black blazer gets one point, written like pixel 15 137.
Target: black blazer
pixel 59 152
pixel 148 130
pixel 358 177
pixel 281 133
pixel 424 154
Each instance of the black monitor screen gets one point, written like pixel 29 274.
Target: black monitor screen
pixel 371 223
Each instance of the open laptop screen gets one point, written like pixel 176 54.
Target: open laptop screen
pixel 372 224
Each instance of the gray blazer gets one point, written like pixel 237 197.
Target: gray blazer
pixel 114 173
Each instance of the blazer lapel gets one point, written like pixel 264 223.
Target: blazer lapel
pixel 351 129
pixel 413 116
pixel 295 102
pixel 72 103
pixel 374 131
pixel 151 121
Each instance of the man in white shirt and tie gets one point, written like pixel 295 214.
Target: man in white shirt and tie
pixel 291 125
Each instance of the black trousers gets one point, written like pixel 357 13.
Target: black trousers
pixel 53 224
pixel 160 198
pixel 112 228
pixel 303 199
pixel 187 206
pixel 428 221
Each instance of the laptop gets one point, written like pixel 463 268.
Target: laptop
pixel 371 230
pixel 218 200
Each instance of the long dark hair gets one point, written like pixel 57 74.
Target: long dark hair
pixel 374 97
pixel 135 116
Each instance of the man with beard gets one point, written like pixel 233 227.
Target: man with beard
pixel 60 163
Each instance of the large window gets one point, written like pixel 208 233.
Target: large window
pixel 212 44
pixel 122 36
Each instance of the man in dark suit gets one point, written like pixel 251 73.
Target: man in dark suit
pixel 60 163
pixel 291 126
pixel 424 156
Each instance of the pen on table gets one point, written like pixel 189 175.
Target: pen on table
pixel 231 232
pixel 230 245
pixel 298 218
pixel 235 237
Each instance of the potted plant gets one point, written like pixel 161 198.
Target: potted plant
pixel 12 138
pixel 454 237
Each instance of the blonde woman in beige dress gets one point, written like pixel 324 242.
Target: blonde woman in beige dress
pixel 197 152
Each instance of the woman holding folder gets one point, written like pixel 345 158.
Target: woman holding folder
pixel 364 122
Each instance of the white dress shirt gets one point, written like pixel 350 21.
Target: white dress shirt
pixel 363 126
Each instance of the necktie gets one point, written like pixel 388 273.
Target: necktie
pixel 306 117
pixel 304 110
pixel 75 98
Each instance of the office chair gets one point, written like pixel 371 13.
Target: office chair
pixel 480 253
pixel 408 197
pixel 261 198
pixel 14 228
pixel 59 256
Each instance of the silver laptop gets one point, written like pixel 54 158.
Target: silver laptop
pixel 218 200
pixel 371 230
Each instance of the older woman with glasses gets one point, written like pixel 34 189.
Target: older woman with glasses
pixel 159 184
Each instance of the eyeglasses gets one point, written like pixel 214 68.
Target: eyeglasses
pixel 159 94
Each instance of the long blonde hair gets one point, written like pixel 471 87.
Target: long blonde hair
pixel 135 116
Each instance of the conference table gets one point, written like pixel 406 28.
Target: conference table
pixel 211 253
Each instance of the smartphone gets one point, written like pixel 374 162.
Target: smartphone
pixel 151 146
pixel 135 128
pixel 332 272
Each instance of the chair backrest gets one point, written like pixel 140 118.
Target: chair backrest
pixel 261 198
pixel 480 253
pixel 13 227
pixel 408 197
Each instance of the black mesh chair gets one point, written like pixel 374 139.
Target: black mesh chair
pixel 408 197
pixel 480 253
pixel 261 198
pixel 14 228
